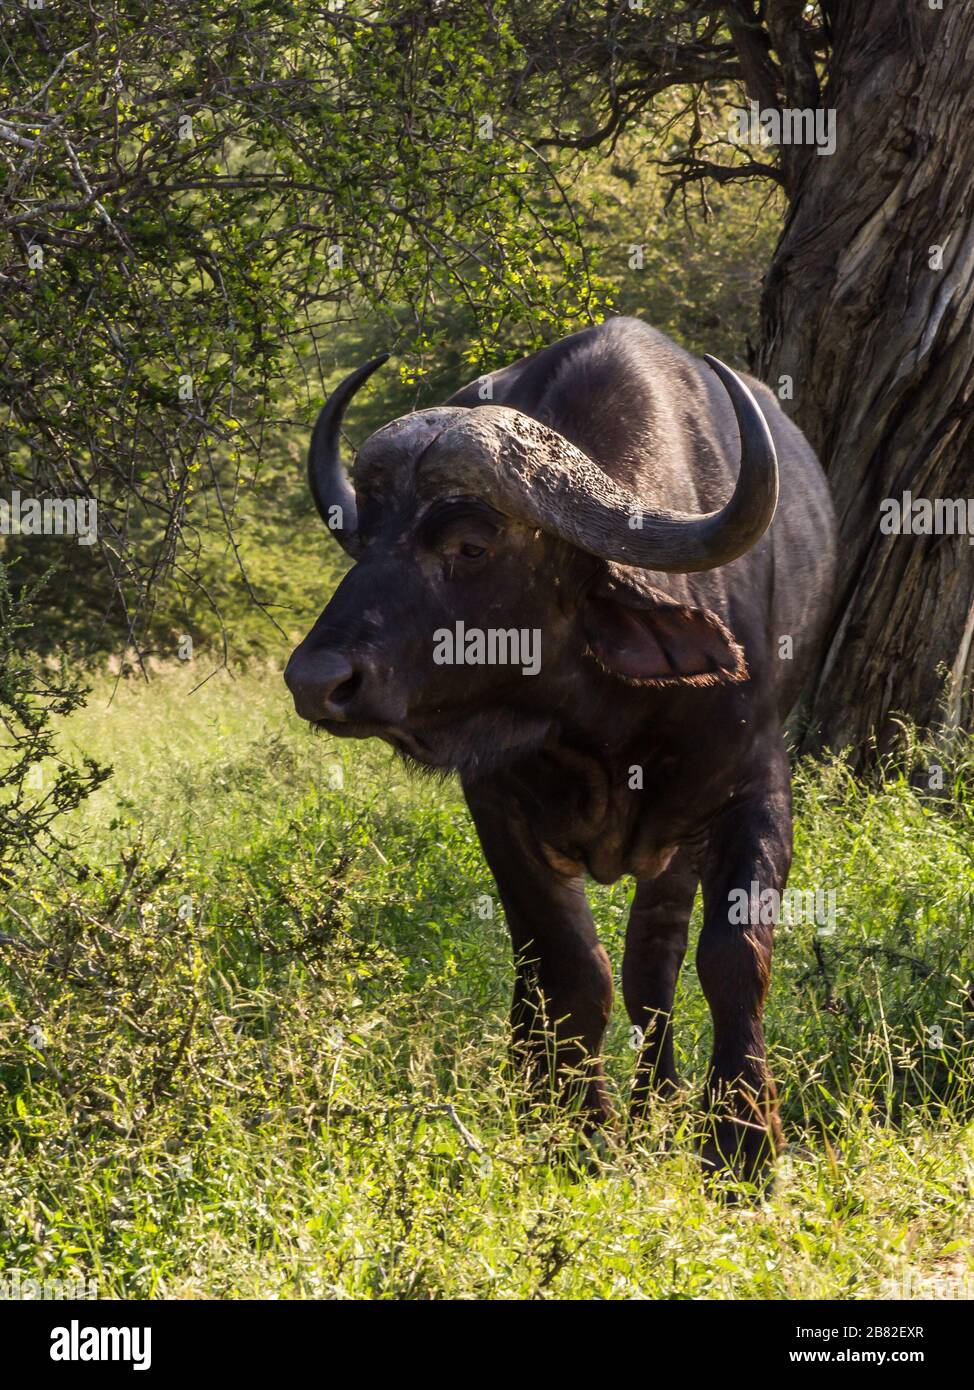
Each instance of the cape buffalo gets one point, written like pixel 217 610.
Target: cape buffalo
pixel 613 499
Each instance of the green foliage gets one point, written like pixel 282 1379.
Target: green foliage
pixel 259 1050
pixel 692 267
pixel 193 207
pixel 37 784
pixel 204 221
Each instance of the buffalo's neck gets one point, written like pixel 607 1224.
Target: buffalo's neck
pixel 616 808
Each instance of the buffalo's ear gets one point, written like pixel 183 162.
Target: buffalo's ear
pixel 646 637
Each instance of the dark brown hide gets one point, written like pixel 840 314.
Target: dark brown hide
pixel 649 740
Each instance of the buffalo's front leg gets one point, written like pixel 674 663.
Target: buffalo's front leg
pixel 563 981
pixel 749 854
pixel 656 942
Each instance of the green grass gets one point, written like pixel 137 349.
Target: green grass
pixel 256 1047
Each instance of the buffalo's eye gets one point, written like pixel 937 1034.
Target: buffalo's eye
pixel 466 554
pixel 466 550
pixel 464 539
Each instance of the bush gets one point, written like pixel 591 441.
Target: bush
pixel 37 784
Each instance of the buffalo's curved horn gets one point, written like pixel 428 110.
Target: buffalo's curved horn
pixel 330 488
pixel 530 472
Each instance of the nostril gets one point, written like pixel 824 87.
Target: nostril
pixel 323 683
pixel 344 691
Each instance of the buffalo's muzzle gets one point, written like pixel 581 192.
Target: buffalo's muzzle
pixel 324 684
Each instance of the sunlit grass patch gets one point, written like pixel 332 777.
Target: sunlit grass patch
pixel 258 1047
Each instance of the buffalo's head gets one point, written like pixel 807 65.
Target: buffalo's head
pixel 494 561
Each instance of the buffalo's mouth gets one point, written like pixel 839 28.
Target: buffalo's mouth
pixel 471 743
pixel 400 739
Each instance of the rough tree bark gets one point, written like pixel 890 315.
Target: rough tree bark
pixel 880 347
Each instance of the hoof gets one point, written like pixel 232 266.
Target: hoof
pixel 739 1160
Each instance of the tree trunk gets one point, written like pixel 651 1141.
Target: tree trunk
pixel 880 348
